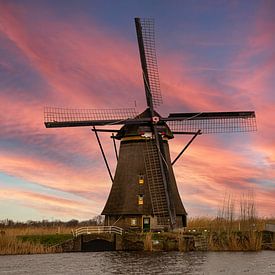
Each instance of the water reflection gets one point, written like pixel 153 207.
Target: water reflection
pixel 153 262
pixel 141 263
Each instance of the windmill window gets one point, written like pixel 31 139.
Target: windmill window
pixel 141 179
pixel 140 199
pixel 133 222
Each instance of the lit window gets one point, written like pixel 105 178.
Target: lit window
pixel 146 221
pixel 133 222
pixel 141 179
pixel 140 199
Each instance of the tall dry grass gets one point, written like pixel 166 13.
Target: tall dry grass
pixel 234 228
pixel 10 245
pixel 32 230
pixel 232 218
pixel 235 241
pixel 148 242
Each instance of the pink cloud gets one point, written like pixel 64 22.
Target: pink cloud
pixel 55 175
pixel 51 205
pixel 89 67
pixel 75 62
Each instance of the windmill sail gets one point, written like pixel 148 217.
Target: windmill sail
pixel 146 42
pixel 64 117
pixel 212 122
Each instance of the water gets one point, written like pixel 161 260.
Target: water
pixel 141 263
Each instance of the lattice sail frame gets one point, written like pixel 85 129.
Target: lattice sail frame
pixel 148 35
pixel 210 123
pixel 53 114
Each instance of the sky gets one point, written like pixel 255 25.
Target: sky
pixel 212 56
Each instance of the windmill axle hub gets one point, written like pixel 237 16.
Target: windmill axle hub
pixel 155 119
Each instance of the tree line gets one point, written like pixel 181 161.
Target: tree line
pixel 97 220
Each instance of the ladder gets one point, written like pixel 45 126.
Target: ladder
pixel 156 183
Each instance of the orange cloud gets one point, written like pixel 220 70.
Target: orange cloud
pixel 51 205
pixel 90 67
pixel 77 63
pixel 55 175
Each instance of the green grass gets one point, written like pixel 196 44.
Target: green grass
pixel 47 240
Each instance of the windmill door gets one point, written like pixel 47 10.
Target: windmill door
pixel 146 224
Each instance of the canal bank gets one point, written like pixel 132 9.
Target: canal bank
pixel 170 241
pixel 100 238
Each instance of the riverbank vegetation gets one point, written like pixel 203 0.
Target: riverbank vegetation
pixel 235 228
pixel 33 237
pixel 12 245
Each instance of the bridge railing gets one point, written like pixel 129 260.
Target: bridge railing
pixel 97 230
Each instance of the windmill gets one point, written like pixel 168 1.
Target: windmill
pixel 144 194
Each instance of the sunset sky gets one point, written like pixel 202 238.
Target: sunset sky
pixel 212 56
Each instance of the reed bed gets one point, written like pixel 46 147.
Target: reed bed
pixel 232 229
pixel 12 239
pixel 10 245
pixel 148 242
pixel 220 224
pixel 32 230
pixel 235 241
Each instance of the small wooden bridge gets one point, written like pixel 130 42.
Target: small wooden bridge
pixel 87 230
pixel 94 238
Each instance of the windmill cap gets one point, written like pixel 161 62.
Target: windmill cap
pixel 131 130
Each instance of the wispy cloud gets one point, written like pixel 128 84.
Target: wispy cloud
pixel 79 63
